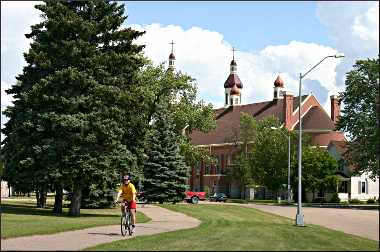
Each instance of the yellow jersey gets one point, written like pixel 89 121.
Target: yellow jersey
pixel 127 191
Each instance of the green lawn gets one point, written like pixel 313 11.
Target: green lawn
pixel 20 217
pixel 239 228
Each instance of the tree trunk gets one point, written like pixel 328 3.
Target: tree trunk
pixel 38 198
pixel 58 200
pixel 42 199
pixel 75 201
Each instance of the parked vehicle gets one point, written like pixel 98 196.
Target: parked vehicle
pixel 194 197
pixel 221 197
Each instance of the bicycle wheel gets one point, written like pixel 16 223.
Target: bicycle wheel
pixel 129 223
pixel 123 225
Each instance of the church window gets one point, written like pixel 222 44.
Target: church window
pixel 226 98
pixel 231 101
pixel 275 94
pixel 236 100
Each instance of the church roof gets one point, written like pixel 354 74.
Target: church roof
pixel 232 80
pixel 316 119
pixel 228 120
pixel 171 56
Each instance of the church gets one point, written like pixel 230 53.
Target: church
pixel 221 142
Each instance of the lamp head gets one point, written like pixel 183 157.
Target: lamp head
pixel 339 55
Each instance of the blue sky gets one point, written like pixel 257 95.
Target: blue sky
pixel 273 38
pixel 250 26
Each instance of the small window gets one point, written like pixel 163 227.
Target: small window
pixel 236 100
pixel 226 99
pixel 363 187
pixel 231 101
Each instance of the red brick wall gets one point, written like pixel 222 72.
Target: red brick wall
pixel 335 108
pixel 288 110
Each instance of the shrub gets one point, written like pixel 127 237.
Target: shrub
pixel 370 201
pixel 355 201
pixel 319 200
pixel 241 201
pixel 335 198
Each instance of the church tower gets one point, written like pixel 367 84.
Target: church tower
pixel 171 59
pixel 279 88
pixel 233 85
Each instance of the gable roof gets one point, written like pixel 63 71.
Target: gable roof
pixel 316 118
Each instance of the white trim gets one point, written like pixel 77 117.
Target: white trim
pixel 310 108
pixel 292 128
pixel 295 111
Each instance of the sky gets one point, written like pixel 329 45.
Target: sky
pixel 272 38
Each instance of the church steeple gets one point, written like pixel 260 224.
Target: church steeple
pixel 171 58
pixel 233 85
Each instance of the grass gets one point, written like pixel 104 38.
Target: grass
pixel 226 227
pixel 20 217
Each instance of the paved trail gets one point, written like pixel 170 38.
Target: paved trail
pixel 163 220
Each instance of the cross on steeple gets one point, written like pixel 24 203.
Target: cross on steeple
pixel 233 52
pixel 172 43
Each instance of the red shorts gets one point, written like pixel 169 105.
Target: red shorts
pixel 131 204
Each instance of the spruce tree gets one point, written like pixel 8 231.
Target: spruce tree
pixel 165 171
pixel 76 120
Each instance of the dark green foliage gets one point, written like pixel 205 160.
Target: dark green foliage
pixel 334 198
pixel 360 115
pixel 370 201
pixel 165 170
pixel 355 201
pixel 76 116
pixel 318 170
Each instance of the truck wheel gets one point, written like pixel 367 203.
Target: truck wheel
pixel 194 200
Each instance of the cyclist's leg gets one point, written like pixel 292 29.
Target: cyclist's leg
pixel 132 206
pixel 123 207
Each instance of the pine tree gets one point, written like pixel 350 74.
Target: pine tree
pixel 165 170
pixel 76 117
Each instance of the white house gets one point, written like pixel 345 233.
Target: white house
pixel 5 190
pixel 360 187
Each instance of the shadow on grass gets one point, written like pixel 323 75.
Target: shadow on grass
pixel 32 210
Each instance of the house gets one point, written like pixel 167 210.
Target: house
pixel 352 186
pixel 6 191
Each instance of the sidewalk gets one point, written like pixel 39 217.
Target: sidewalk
pixel 163 220
pixel 364 223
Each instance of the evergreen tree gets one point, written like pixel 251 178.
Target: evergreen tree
pixel 165 170
pixel 76 120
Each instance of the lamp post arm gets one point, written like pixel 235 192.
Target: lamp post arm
pixel 301 76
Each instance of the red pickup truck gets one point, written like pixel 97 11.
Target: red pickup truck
pixel 194 197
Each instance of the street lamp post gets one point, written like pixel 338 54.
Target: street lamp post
pixel 288 137
pixel 299 216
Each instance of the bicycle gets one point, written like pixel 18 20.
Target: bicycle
pixel 125 222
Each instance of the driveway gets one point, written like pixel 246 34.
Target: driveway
pixel 163 220
pixel 364 223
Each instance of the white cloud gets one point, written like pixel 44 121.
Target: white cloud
pixel 354 26
pixel 206 56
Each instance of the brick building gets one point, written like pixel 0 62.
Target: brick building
pixel 221 142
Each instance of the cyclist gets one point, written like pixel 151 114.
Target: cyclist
pixel 127 191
